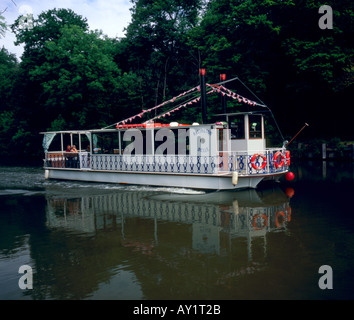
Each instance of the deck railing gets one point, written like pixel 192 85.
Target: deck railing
pixel 67 160
pixel 244 162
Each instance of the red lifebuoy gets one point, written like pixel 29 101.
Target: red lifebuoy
pixel 287 158
pixel 288 213
pixel 275 159
pixel 255 221
pixel 253 161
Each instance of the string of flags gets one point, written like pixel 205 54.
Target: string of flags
pixel 158 106
pixel 175 109
pixel 214 88
pixel 224 91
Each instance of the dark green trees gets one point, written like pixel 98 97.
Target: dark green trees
pixel 303 72
pixel 156 49
pixel 72 77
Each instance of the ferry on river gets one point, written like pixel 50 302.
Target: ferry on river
pixel 230 153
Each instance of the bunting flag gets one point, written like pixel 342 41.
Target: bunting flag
pixel 168 113
pixel 233 95
pixel 158 106
pixel 214 88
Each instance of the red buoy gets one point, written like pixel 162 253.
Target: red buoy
pixel 289 176
pixel 290 192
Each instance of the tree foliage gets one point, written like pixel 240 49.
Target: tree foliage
pixel 3 26
pixel 78 77
pixel 278 47
pixel 155 47
pixel 71 77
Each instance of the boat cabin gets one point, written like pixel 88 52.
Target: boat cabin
pixel 246 131
pixel 241 132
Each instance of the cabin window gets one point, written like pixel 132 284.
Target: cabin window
pixel 84 142
pixel 237 126
pixel 55 144
pixel 255 126
pixel 105 142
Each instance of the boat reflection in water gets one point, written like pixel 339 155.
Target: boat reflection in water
pixel 239 214
pixel 167 240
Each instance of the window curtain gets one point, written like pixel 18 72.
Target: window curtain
pixel 47 140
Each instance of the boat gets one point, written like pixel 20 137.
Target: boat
pixel 231 153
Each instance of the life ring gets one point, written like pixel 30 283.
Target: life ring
pixel 254 224
pixel 279 213
pixel 253 161
pixel 275 159
pixel 287 158
pixel 288 213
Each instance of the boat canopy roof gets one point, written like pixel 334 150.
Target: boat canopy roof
pixel 68 131
pixel 240 113
pixel 130 126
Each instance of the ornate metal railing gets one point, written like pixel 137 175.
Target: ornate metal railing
pixel 270 162
pixel 67 160
pixel 273 160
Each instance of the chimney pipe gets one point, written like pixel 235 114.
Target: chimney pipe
pixel 203 95
pixel 223 97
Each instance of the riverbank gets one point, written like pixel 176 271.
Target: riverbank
pixel 320 149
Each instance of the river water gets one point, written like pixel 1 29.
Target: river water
pixel 102 241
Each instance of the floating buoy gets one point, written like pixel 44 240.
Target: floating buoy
pixel 289 176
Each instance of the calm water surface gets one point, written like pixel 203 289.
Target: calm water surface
pixel 98 241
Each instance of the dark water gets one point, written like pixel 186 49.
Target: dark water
pixel 97 241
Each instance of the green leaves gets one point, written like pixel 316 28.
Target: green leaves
pixel 70 77
pixel 76 72
pixel 156 49
pixel 45 28
pixel 322 58
pixel 3 26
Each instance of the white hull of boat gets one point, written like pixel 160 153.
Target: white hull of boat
pixel 195 181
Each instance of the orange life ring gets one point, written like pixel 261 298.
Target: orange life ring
pixel 281 213
pixel 253 160
pixel 289 213
pixel 287 158
pixel 254 224
pixel 275 159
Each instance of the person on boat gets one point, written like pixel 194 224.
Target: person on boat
pixel 75 159
pixel 68 159
pixel 96 149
